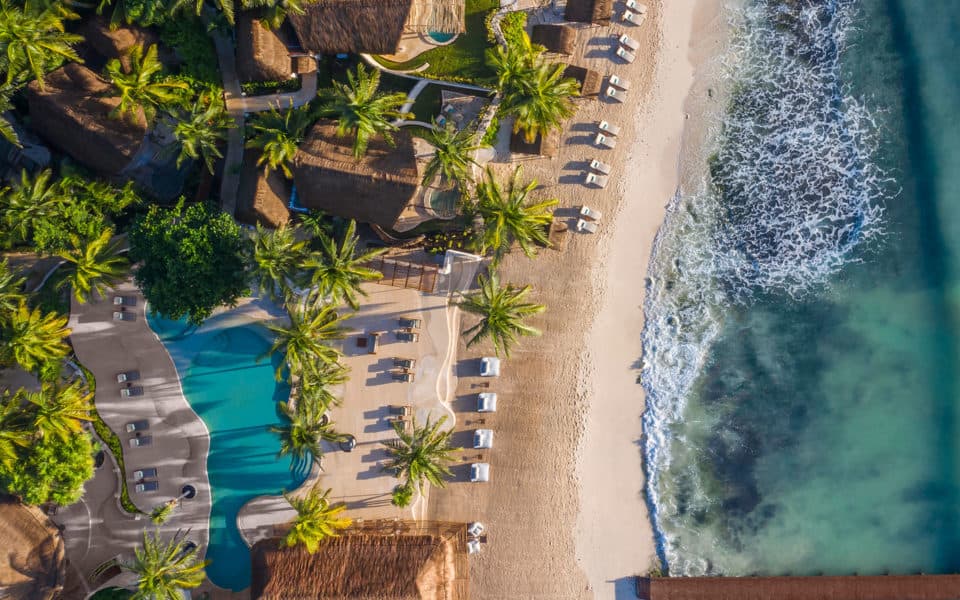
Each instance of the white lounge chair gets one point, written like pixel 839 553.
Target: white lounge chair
pixel 633 18
pixel 586 226
pixel 605 141
pixel 594 179
pixel 473 546
pixel 480 472
pixel 625 54
pixel 637 7
pixel 483 439
pixel 608 128
pixel 615 94
pixel 600 167
pixel 617 82
pixel 590 214
pixel 487 402
pixel 628 42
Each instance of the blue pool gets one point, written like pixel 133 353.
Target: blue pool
pixel 237 397
pixel 440 37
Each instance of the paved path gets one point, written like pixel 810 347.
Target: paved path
pixel 230 181
pixel 306 93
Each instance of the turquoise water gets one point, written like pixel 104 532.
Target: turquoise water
pixel 237 397
pixel 800 351
pixel 441 37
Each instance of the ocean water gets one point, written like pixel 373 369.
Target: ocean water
pixel 800 352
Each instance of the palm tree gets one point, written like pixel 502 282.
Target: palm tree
pixel 453 158
pixel 337 271
pixel 140 86
pixel 278 135
pixel 31 338
pixel 6 124
pixel 501 311
pixel 315 384
pixel 93 266
pixel 306 340
pixel 422 457
pixel 33 39
pixel 11 289
pixel 306 427
pixel 274 12
pixel 164 569
pixel 509 218
pixel 361 110
pixel 14 434
pixel 316 520
pixel 226 7
pixel 29 202
pixel 200 132
pixel 129 11
pixel 275 260
pixel 60 411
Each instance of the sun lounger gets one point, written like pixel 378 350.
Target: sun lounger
pixel 408 336
pixel 615 94
pixel 608 128
pixel 628 42
pixel 410 323
pixel 128 376
pixel 140 442
pixel 625 54
pixel 405 377
pixel 480 472
pixel 129 392
pixel 403 411
pixel 404 363
pixel 147 486
pixel 594 179
pixel 637 7
pixel 605 142
pixel 584 226
pixel 600 167
pixel 619 82
pixel 487 402
pixel 590 214
pixel 482 439
pixel 124 316
pixel 633 18
pixel 147 473
pixel 141 425
pixel 374 342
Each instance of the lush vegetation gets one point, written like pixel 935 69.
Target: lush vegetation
pixel 453 154
pixel 420 457
pixel 165 568
pixel 337 269
pixel 317 520
pixel 502 310
pixel 510 217
pixel 278 135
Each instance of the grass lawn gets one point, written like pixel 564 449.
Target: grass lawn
pixel 464 59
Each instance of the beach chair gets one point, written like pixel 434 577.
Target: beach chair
pixel 147 486
pixel 374 342
pixel 604 141
pixel 402 411
pixel 408 336
pixel 141 425
pixel 584 226
pixel 619 82
pixel 487 402
pixel 600 167
pixel 633 18
pixel 608 128
pixel 147 473
pixel 410 323
pixel 615 94
pixel 141 442
pixel 128 376
pixel 590 214
pixel 482 439
pixel 404 363
pixel 594 179
pixel 625 54
pixel 403 377
pixel 628 42
pixel 636 7
pixel 124 316
pixel 130 392
pixel 479 472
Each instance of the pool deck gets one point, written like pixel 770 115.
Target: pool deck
pixel 96 529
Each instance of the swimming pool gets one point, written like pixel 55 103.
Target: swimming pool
pixel 441 37
pixel 237 397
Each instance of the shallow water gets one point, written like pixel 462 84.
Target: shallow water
pixel 800 349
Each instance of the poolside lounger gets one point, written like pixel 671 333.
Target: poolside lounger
pixel 584 226
pixel 619 82
pixel 605 141
pixel 129 392
pixel 608 128
pixel 145 473
pixel 374 342
pixel 408 336
pixel 594 179
pixel 405 377
pixel 637 7
pixel 124 301
pixel 124 316
pixel 141 425
pixel 600 167
pixel 140 442
pixel 402 411
pixel 590 214
pixel 615 94
pixel 628 42
pixel 404 363
pixel 625 54
pixel 633 18
pixel 128 376
pixel 147 486
pixel 410 323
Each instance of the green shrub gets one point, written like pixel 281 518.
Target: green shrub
pixel 513 25
pixel 262 88
pixel 490 136
pixel 439 243
pixel 188 36
pixel 402 495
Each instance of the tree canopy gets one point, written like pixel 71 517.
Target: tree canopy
pixel 502 310
pixel 191 260
pixel 50 469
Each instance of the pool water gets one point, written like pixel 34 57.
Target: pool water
pixel 236 395
pixel 441 37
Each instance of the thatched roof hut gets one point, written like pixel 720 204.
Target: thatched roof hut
pixel 372 26
pixel 590 81
pixel 560 39
pixel 261 54
pixel 72 112
pixel 856 587
pixel 547 146
pixel 374 189
pixel 598 12
pixel 115 43
pixel 262 198
pixel 34 564
pixel 360 566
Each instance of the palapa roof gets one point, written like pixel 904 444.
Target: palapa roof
pixel 33 565
pixel 358 566
pixel 598 12
pixel 561 39
pixel 262 198
pixel 881 587
pixel 590 81
pixel 261 54
pixel 114 43
pixel 72 112
pixel 541 146
pixel 374 189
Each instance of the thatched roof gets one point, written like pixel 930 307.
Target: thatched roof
pixel 358 26
pixel 590 81
pixel 597 12
pixel 358 566
pixel 261 54
pixel 304 64
pixel 447 16
pixel 374 189
pixel 72 113
pixel 541 146
pixel 115 43
pixel 262 199
pixel 561 39
pixel 882 587
pixel 33 565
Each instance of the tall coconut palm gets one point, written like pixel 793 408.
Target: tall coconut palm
pixel 11 290
pixel 141 86
pixel 361 110
pixel 33 39
pixel 509 218
pixel 337 271
pixel 304 431
pixel 199 133
pixel 60 411
pixel 29 202
pixel 453 156
pixel 501 311
pixel 316 383
pixel 317 520
pixel 93 266
pixel 31 338
pixel 278 135
pixel 14 433
pixel 306 340
pixel 274 12
pixel 275 260
pixel 165 569
pixel 421 457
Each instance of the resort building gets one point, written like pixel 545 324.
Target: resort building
pixel 598 12
pixel 34 564
pixel 263 54
pixel 262 199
